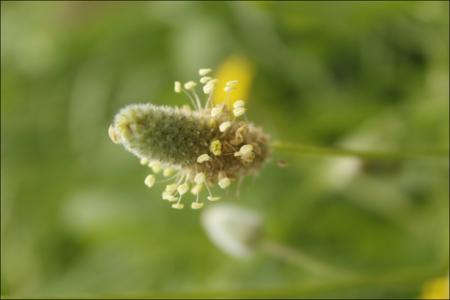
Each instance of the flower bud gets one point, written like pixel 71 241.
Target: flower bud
pixel 233 229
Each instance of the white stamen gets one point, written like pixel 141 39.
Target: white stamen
pixel 232 83
pixel 244 150
pixel 216 111
pixel 144 161
pixel 177 87
pixel 202 158
pixel 224 126
pixel 209 87
pixel 204 71
pixel 196 189
pixel 199 178
pixel 228 88
pixel 224 182
pixel 239 111
pixel 169 196
pixel 113 135
pixel 216 147
pixel 196 205
pixel 171 188
pixel 239 103
pixel 205 79
pixel 189 85
pixel 211 198
pixel 156 166
pixel 178 205
pixel 168 171
pixel 149 180
pixel 183 188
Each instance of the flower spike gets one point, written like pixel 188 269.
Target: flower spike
pixel 197 147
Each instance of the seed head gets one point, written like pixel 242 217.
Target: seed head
pixel 201 147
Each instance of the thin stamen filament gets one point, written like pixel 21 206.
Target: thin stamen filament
pixel 167 179
pixel 197 98
pixel 208 102
pixel 190 98
pixel 209 191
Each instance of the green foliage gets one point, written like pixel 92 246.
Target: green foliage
pixel 76 219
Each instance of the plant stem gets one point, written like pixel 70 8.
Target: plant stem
pixel 328 151
pixel 299 259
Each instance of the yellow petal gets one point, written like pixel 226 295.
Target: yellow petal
pixel 234 68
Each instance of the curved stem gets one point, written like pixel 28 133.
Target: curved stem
pixel 299 259
pixel 328 151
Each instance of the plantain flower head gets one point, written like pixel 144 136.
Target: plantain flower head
pixel 204 145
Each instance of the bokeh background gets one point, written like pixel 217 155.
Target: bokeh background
pixel 77 220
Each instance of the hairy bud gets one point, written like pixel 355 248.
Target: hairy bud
pixel 208 140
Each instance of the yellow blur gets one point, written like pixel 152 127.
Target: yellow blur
pixel 436 289
pixel 234 68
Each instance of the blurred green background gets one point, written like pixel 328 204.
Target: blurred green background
pixel 77 220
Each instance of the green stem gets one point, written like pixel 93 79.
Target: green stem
pixel 299 259
pixel 328 151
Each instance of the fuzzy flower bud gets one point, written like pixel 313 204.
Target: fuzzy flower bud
pixel 162 133
pixel 192 146
pixel 233 229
